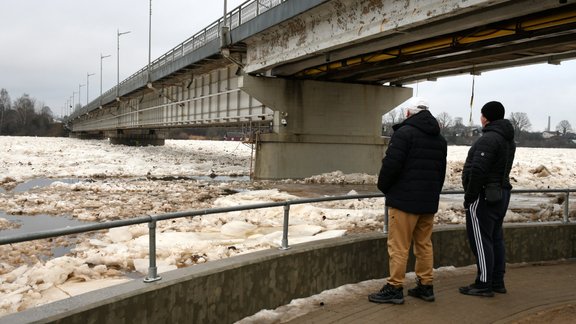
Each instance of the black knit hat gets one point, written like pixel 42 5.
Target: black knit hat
pixel 493 110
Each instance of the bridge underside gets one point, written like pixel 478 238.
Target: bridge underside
pixel 401 42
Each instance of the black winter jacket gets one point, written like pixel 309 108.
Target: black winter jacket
pixel 413 170
pixel 489 159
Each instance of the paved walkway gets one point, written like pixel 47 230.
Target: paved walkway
pixel 537 293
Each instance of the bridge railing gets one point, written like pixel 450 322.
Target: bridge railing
pixel 153 219
pixel 238 16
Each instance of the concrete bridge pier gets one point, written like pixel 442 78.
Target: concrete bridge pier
pixel 137 137
pixel 87 135
pixel 321 127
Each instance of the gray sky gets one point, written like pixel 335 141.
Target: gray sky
pixel 47 48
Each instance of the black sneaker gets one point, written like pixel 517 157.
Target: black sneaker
pixel 425 292
pixel 388 294
pixel 499 288
pixel 474 290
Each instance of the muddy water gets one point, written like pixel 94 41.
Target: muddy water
pixel 29 224
pixel 40 183
pixel 26 224
pixel 37 223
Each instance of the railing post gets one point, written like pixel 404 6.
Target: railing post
pixel 385 219
pixel 152 270
pixel 567 207
pixel 239 16
pixel 285 227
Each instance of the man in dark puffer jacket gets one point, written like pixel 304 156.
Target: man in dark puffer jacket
pixel 411 177
pixel 489 161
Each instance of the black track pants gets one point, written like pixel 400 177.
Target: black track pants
pixel 485 235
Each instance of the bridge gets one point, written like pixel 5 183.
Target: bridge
pixel 316 76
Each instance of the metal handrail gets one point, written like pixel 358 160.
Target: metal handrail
pixel 152 219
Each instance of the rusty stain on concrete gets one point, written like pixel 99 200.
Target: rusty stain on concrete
pixel 296 27
pixel 372 5
pixel 341 21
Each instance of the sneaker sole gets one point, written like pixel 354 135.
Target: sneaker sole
pixel 387 301
pixel 476 293
pixel 426 298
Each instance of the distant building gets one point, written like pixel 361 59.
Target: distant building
pixel 549 134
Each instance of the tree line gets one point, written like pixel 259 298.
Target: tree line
pixel 26 117
pixel 457 133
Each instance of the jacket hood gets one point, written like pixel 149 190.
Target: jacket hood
pixel 501 126
pixel 423 120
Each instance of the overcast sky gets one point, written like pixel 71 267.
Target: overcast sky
pixel 48 47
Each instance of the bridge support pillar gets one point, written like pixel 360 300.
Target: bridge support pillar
pixel 321 127
pixel 87 135
pixel 137 137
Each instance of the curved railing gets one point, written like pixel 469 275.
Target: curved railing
pixel 151 220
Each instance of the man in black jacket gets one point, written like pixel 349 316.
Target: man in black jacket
pixel 411 177
pixel 486 173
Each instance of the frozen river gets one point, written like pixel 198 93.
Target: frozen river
pixel 59 182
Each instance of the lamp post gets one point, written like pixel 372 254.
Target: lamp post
pixel 73 97
pixel 79 92
pixel 102 57
pixel 224 30
pixel 225 12
pixel 149 40
pixel 118 61
pixel 88 86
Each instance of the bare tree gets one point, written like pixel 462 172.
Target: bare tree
pixel 458 127
pixel 520 121
pixel 564 126
pixel 24 106
pixel 395 116
pixel 4 106
pixel 46 111
pixel 391 117
pixel 444 121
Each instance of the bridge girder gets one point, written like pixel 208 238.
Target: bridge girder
pixel 409 39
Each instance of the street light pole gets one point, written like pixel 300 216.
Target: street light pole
pixel 149 40
pixel 79 92
pixel 118 61
pixel 224 30
pixel 225 12
pixel 73 98
pixel 101 58
pixel 88 86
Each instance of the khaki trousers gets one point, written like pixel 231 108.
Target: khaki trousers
pixel 402 229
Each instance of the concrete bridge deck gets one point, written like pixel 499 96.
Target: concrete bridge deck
pixel 537 293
